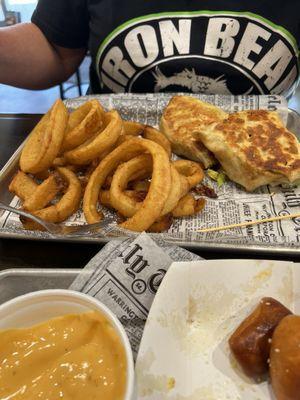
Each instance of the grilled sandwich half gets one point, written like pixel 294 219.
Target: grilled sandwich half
pixel 254 148
pixel 181 121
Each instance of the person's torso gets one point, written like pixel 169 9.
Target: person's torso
pixel 200 46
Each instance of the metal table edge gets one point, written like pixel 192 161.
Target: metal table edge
pixel 37 271
pixel 196 246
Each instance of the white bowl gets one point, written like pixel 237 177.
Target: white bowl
pixel 36 307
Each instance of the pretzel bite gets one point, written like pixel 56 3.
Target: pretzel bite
pixel 250 343
pixel 285 359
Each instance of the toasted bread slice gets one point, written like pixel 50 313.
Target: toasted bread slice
pixel 182 118
pixel 254 148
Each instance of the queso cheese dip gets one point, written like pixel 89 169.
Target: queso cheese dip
pixel 70 357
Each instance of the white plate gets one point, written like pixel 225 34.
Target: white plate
pixel 184 353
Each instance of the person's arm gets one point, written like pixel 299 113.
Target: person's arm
pixel 30 61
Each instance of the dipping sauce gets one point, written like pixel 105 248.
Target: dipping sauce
pixel 71 357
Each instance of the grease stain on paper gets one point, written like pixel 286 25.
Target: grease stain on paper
pixel 203 393
pixel 285 291
pixel 150 383
pixel 258 281
pixel 195 326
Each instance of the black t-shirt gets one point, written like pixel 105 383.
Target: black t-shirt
pixel 203 46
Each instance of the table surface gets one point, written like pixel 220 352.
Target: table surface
pixel 43 254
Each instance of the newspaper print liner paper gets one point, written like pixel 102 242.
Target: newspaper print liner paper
pixel 233 204
pixel 125 276
pixel 184 353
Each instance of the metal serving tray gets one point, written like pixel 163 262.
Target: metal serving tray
pixel 10 168
pixel 15 282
